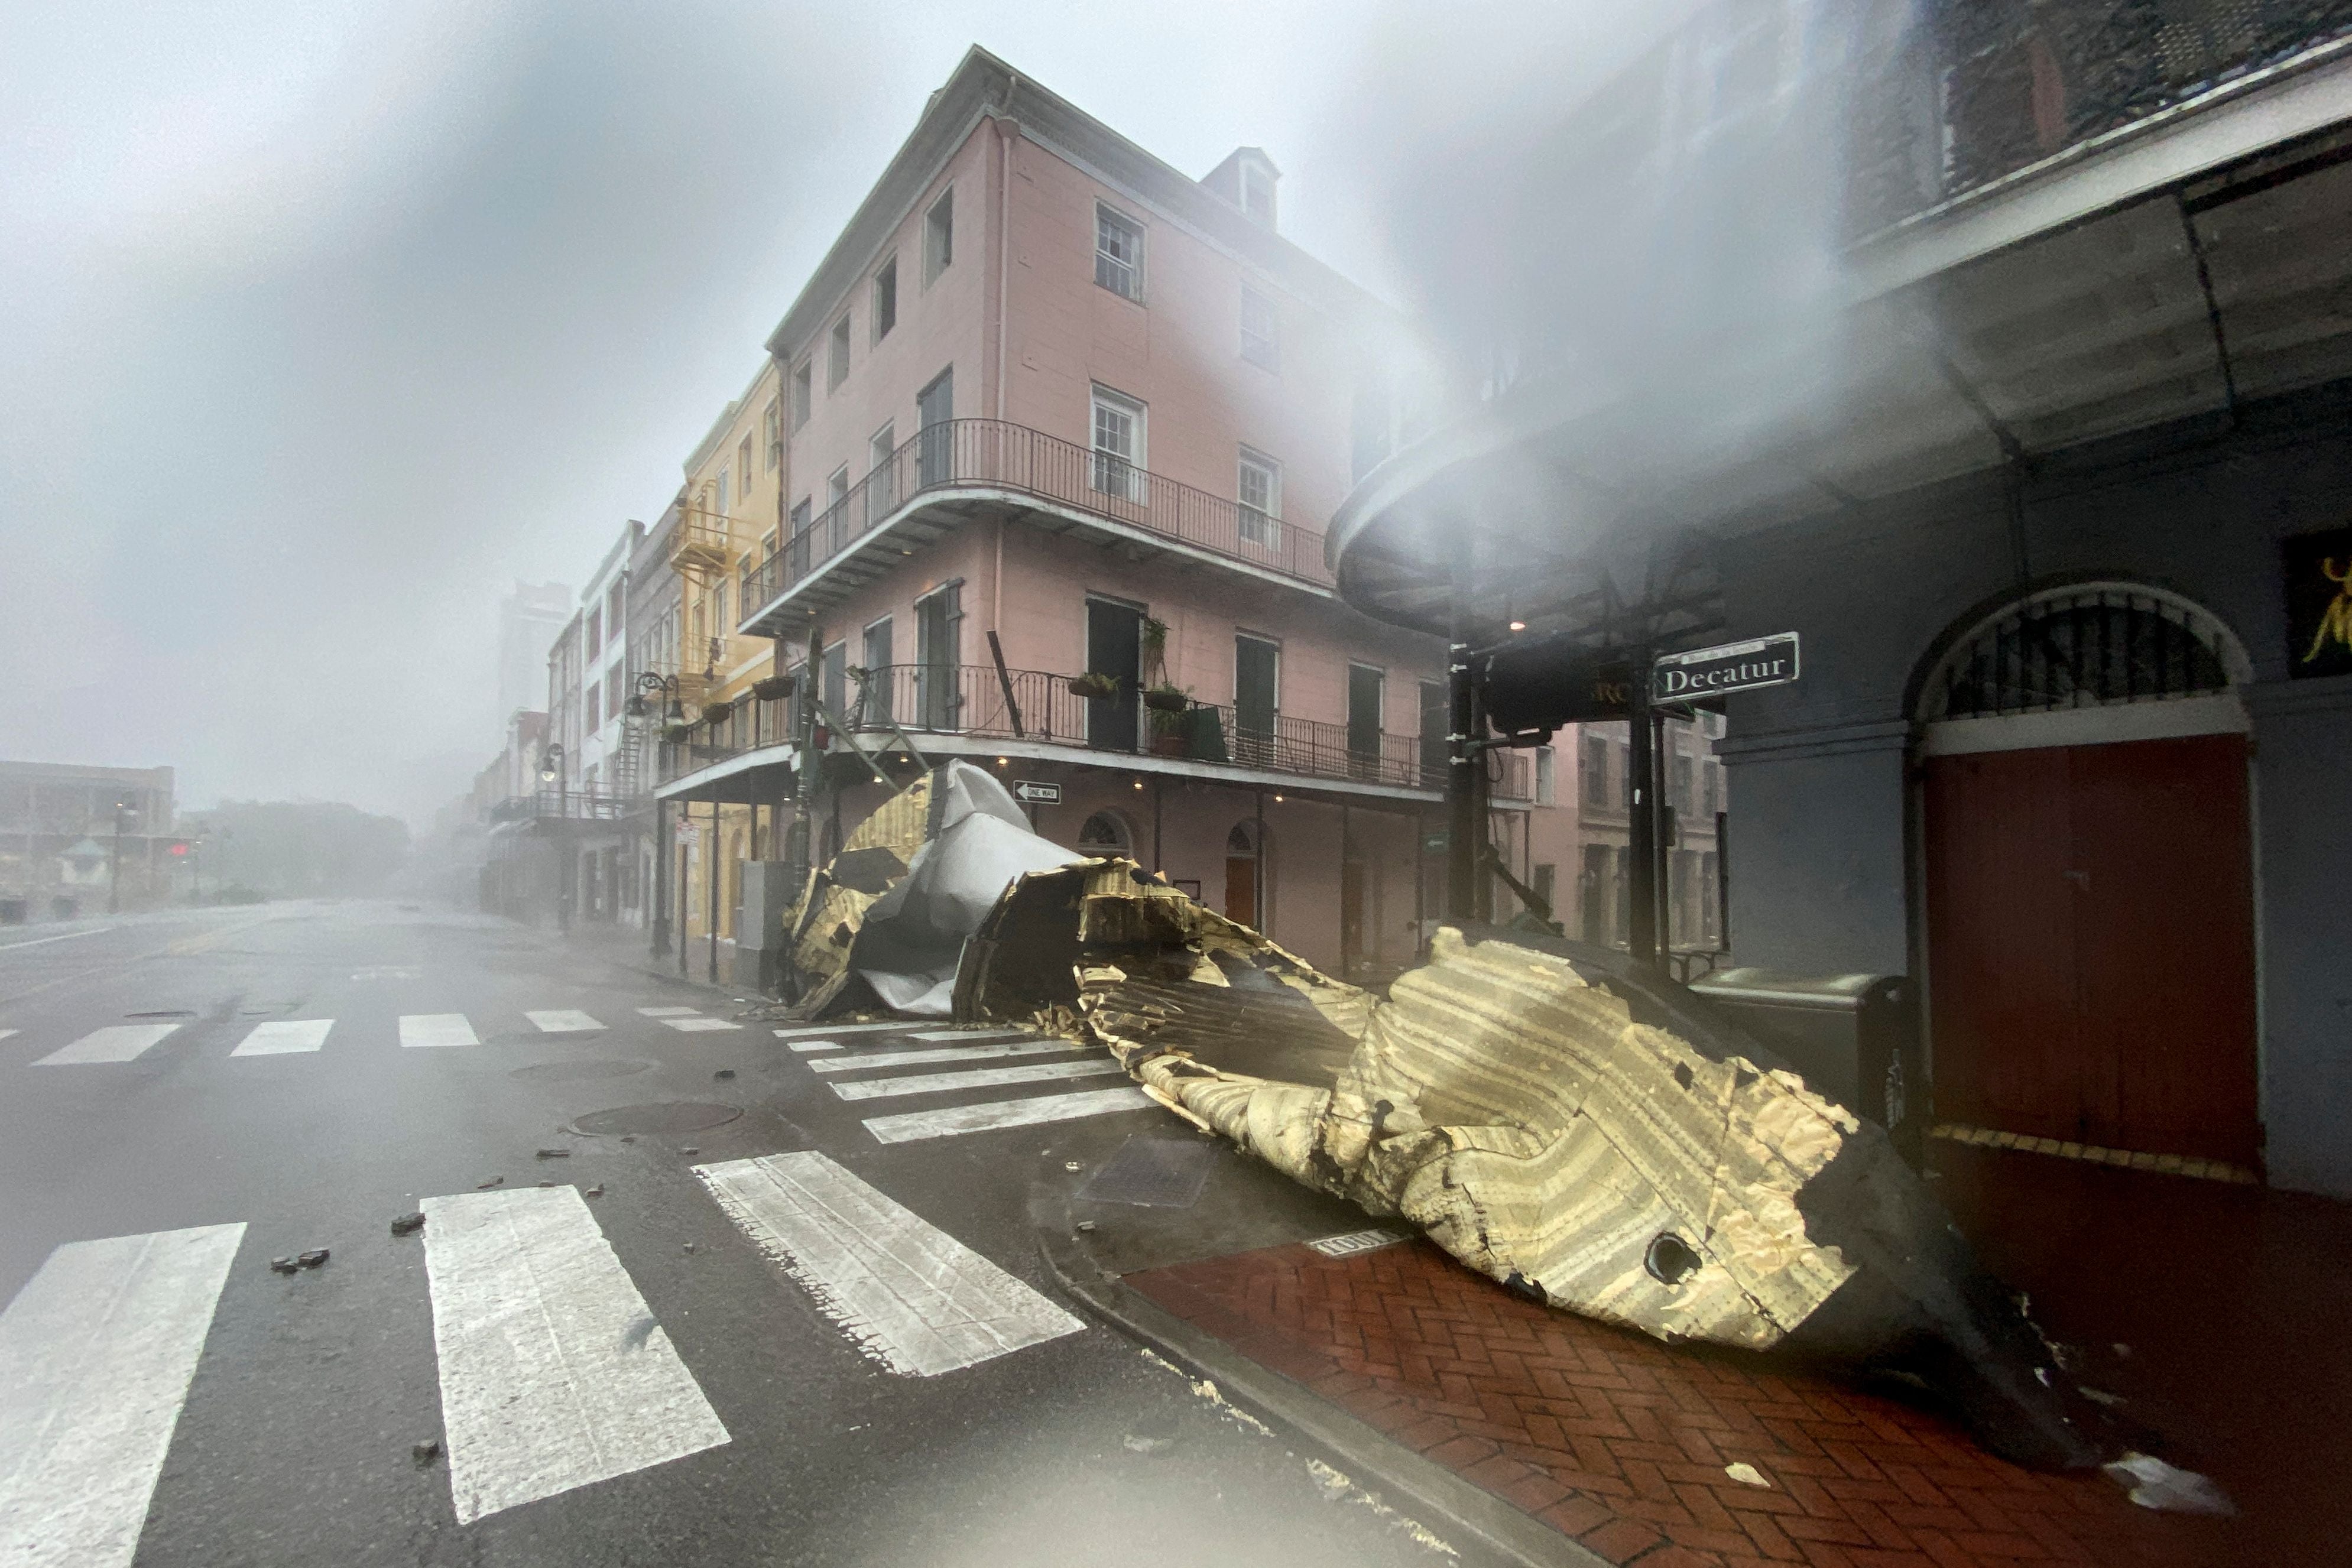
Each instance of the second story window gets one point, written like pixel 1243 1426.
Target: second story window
pixel 800 516
pixel 885 299
pixel 1259 485
pixel 1261 344
pixel 803 385
pixel 939 236
pixel 836 368
pixel 1596 770
pixel 1119 252
pixel 836 487
pixel 773 431
pixel 1118 451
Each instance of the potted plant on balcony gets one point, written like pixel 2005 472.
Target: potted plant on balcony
pixel 679 733
pixel 772 688
pixel 1094 685
pixel 1172 731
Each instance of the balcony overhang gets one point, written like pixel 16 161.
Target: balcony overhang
pixel 933 514
pixel 2199 306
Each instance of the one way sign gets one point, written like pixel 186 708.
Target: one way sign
pixel 1030 792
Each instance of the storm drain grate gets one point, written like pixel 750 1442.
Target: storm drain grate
pixel 673 1116
pixel 1153 1173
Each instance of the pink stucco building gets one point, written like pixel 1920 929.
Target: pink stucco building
pixel 1052 408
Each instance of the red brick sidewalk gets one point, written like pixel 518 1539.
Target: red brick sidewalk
pixel 1622 1442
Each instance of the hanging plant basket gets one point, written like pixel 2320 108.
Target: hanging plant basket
pixel 679 733
pixel 1094 685
pixel 1166 699
pixel 772 688
pixel 715 713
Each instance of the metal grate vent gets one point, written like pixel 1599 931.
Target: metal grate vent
pixel 2083 649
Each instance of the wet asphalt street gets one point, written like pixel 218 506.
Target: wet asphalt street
pixel 636 1377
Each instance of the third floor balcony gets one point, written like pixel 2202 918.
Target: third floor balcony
pixel 966 470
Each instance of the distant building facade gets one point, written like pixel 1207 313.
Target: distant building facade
pixel 72 835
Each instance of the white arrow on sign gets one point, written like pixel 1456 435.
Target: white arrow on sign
pixel 1032 793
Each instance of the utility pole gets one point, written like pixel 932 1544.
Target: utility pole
pixel 1640 816
pixel 114 870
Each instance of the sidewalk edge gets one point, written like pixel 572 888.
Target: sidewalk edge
pixel 1440 1497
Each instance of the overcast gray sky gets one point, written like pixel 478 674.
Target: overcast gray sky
pixel 320 323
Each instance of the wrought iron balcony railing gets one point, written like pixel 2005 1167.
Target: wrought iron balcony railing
pixel 988 454
pixel 592 803
pixel 971 699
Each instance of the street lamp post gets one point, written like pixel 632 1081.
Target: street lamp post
pixel 551 771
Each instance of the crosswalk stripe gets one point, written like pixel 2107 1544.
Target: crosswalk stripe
pixel 957 1120
pixel 5 1033
pixel 971 1034
pixel 842 1028
pixel 554 1373
pixel 700 1025
pixel 97 1352
pixel 117 1043
pixel 984 1078
pixel 435 1029
pixel 913 1297
pixel 814 1044
pixel 949 1053
pixel 280 1036
pixel 563 1020
pixel 668 1012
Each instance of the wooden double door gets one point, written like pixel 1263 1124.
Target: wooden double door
pixel 2091 945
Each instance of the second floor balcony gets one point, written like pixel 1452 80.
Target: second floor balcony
pixel 962 470
pixel 949 704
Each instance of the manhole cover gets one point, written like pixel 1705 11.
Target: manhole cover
pixel 577 1071
pixel 670 1117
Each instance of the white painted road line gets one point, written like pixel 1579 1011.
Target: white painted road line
pixel 563 1020
pixel 5 1033
pixel 913 1297
pixel 946 1053
pixel 435 1029
pixel 700 1025
pixel 814 1044
pixel 97 1351
pixel 554 1373
pixel 960 1119
pixel 971 1034
pixel 45 941
pixel 119 1042
pixel 282 1036
pixel 667 1012
pixel 983 1078
pixel 842 1028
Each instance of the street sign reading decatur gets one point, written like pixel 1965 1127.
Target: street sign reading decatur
pixel 1029 792
pixel 1732 667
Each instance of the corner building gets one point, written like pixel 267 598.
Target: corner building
pixel 1051 409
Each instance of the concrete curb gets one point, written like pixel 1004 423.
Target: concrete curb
pixel 1435 1495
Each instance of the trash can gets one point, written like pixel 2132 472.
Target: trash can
pixel 1855 1037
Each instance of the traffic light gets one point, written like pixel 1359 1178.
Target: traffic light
pixel 180 847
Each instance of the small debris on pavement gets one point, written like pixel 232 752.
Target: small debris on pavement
pixel 628 1138
pixel 1747 1475
pixel 1086 1225
pixel 596 1191
pixel 547 1184
pixel 1072 1165
pixel 283 1265
pixel 2099 1396
pixel 486 1186
pixel 690 1149
pixel 425 1452
pixel 724 1072
pixel 1155 1434
pixel 407 1224
pixel 313 1259
pixel 689 1246
pixel 2123 1353
pixel 2154 1484
pixel 555 1154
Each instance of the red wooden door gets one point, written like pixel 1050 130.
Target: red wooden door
pixel 2090 945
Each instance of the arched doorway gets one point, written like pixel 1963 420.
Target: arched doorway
pixel 1107 833
pixel 1244 879
pixel 2085 829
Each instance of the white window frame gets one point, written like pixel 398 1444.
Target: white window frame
pixel 882 323
pixel 1262 350
pixel 1126 480
pixel 938 259
pixel 837 363
pixel 1109 216
pixel 1258 526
